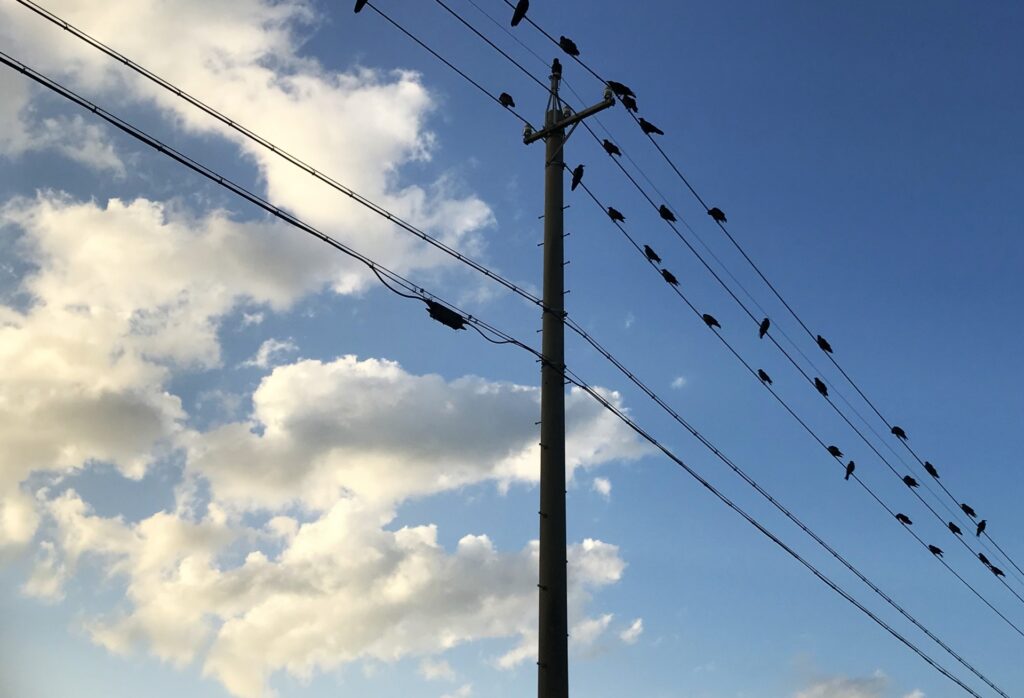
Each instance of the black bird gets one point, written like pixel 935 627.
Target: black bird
pixel 568 45
pixel 765 378
pixel 629 103
pixel 360 4
pixel 935 550
pixel 984 560
pixel 610 147
pixel 823 343
pixel 710 321
pixel 996 571
pixel 981 527
pixel 931 470
pixel 850 467
pixel 615 215
pixel 910 482
pixel 763 329
pixel 670 277
pixel 970 512
pixel 446 316
pixel 665 213
pixel 834 450
pixel 505 100
pixel 955 529
pixel 822 388
pixel 904 519
pixel 899 433
pixel 717 215
pixel 521 7
pixel 651 254
pixel 620 90
pixel 649 128
pixel 556 67
pixel 577 177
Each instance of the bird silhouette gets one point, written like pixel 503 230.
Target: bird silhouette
pixel 669 277
pixel 629 103
pixel 822 388
pixel 556 67
pixel 577 177
pixel 610 147
pixel 935 550
pixel 834 450
pixel 710 321
pixel 931 470
pixel 765 378
pixel 619 89
pixel 984 560
pixel 763 329
pixel 615 215
pixel 568 45
pixel 505 100
pixel 360 4
pixel 521 7
pixel 651 254
pixel 665 213
pixel 899 433
pixel 823 343
pixel 717 215
pixel 904 519
pixel 850 467
pixel 955 529
pixel 967 510
pixel 981 527
pixel 649 128
pixel 996 571
pixel 910 482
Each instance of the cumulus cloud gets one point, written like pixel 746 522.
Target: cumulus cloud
pixel 269 351
pixel 631 634
pixel 436 669
pixel 603 486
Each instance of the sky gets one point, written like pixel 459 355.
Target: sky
pixel 235 466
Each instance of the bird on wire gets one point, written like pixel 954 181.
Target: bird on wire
pixel 765 378
pixel 820 386
pixel 996 571
pixel 710 321
pixel 520 12
pixel 850 467
pixel 931 470
pixel 955 529
pixel 666 213
pixel 717 215
pixel 834 451
pixel 981 527
pixel 904 519
pixel 969 511
pixel 629 103
pixel 899 433
pixel 610 147
pixel 935 550
pixel 577 177
pixel 763 329
pixel 505 100
pixel 620 90
pixel 615 215
pixel 649 128
pixel 910 482
pixel 670 277
pixel 984 560
pixel 568 45
pixel 651 254
pixel 360 4
pixel 823 343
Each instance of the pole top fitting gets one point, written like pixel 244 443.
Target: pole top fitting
pixel 527 132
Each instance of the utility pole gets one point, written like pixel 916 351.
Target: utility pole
pixel 553 625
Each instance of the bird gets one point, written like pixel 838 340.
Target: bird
pixel 577 177
pixel 610 147
pixel 651 254
pixel 970 512
pixel 834 450
pixel 670 277
pixel 910 482
pixel 521 7
pixel 996 571
pixel 665 213
pixel 904 519
pixel 615 215
pixel 568 45
pixel 899 433
pixel 629 103
pixel 935 550
pixel 822 388
pixel 931 470
pixel 619 89
pixel 649 128
pixel 710 321
pixel 955 529
pixel 360 4
pixel 505 100
pixel 556 67
pixel 850 467
pixel 763 329
pixel 984 560
pixel 981 527
pixel 823 343
pixel 717 215
pixel 765 378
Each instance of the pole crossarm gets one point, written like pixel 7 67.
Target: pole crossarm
pixel 533 136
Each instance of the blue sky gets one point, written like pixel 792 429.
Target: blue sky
pixel 237 466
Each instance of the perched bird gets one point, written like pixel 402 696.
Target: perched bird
pixel 822 388
pixel 710 321
pixel 505 100
pixel 955 529
pixel 996 571
pixel 670 277
pixel 629 103
pixel 651 254
pixel 619 89
pixel 763 329
pixel 931 470
pixel 910 482
pixel 649 128
pixel 935 550
pixel 577 177
pixel 984 560
pixel 521 7
pixel 899 433
pixel 360 4
pixel 717 215
pixel 970 512
pixel 981 527
pixel 665 213
pixel 823 343
pixel 615 215
pixel 850 467
pixel 904 519
pixel 568 45
pixel 556 67
pixel 610 147
pixel 765 378
pixel 834 450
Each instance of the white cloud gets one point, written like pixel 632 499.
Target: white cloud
pixel 631 634
pixel 603 486
pixel 436 670
pixel 843 687
pixel 270 350
pixel 678 382
pixel 463 691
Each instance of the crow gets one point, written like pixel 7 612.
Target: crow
pixel 904 519
pixel 651 254
pixel 970 512
pixel 568 45
pixel 629 103
pixel 935 550
pixel 955 529
pixel 649 128
pixel 931 470
pixel 665 213
pixel 910 482
pixel 899 433
pixel 821 387
pixel 619 89
pixel 717 215
pixel 521 7
pixel 763 329
pixel 850 467
pixel 834 450
pixel 669 277
pixel 615 215
pixel 360 4
pixel 556 67
pixel 610 147
pixel 996 571
pixel 984 560
pixel 505 99
pixel 765 378
pixel 981 528
pixel 577 177
pixel 823 343
pixel 710 321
